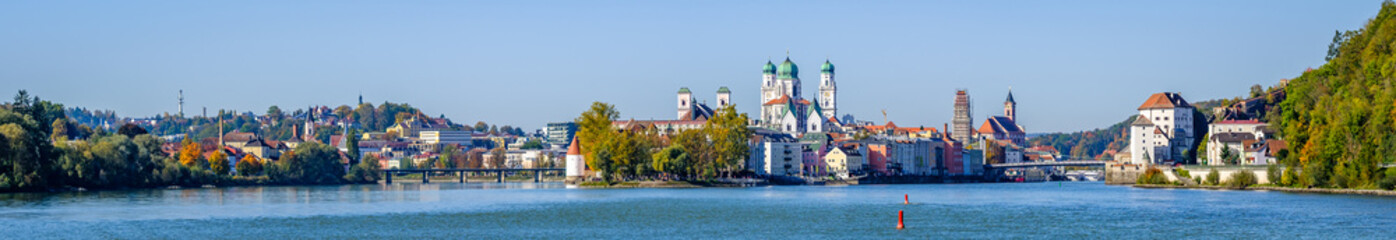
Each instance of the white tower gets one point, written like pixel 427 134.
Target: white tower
pixel 685 102
pixel 828 91
pixel 181 103
pixel 724 97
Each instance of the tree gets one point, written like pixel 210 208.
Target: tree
pixel 1213 177
pixel 672 160
pixel 218 162
pixel 593 129
pixel 249 165
pixel 60 130
pixel 274 112
pixel 367 171
pixel 310 163
pixel 1257 91
pixel 131 130
pixel 351 141
pixel 533 144
pixel 729 134
pixel 482 126
pixel 497 156
pixel 475 158
pixel 191 154
pixel 1229 156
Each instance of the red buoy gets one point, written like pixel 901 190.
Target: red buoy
pixel 900 226
pixel 906 199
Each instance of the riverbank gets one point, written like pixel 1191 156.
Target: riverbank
pixel 669 184
pixel 1369 192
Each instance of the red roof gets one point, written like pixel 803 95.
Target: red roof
pixel 1164 100
pixel 574 148
pixel 780 100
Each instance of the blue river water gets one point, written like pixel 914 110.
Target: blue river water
pixel 550 210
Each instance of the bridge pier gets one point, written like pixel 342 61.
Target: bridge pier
pixel 461 175
pixel 389 176
pixel 537 176
pixel 499 176
pixel 426 177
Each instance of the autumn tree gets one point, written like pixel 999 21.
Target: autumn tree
pixel 190 154
pixel 218 162
pixel 249 165
pixel 497 157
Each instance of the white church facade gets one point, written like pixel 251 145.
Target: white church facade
pixel 786 110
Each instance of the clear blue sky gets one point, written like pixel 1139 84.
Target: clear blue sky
pixel 1073 65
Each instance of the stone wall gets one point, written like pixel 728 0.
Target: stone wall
pixel 1123 174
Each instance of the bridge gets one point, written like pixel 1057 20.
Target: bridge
pixel 993 172
pixel 460 173
pixel 1078 163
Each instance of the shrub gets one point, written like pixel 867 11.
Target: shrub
pixel 1242 179
pixel 1152 176
pixel 1389 181
pixel 1213 177
pixel 1273 173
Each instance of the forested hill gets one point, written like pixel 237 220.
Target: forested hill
pixel 1090 144
pixel 1338 119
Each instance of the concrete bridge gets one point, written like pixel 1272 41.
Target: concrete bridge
pixel 994 172
pixel 460 173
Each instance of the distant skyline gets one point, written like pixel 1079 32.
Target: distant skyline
pixel 1072 65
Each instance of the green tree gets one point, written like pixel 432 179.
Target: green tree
pixel 366 171
pixel 672 160
pixel 593 129
pixel 727 129
pixel 533 144
pixel 309 163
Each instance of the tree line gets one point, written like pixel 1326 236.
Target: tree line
pixel 1338 118
pixel 718 149
pixel 33 158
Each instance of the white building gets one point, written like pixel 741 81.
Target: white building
pixel 576 165
pixel 775 154
pixel 445 137
pixel 1236 136
pixel 783 107
pixel 1162 131
pixel 843 162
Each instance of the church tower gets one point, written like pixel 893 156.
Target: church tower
pixel 768 82
pixel 724 97
pixel 685 103
pixel 789 77
pixel 828 91
pixel 1009 105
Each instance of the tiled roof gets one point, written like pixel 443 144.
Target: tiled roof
pixel 780 100
pixel 1142 121
pixel 1252 121
pixel 999 124
pixel 574 148
pixel 1165 100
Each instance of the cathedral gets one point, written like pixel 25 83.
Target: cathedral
pixel 784 109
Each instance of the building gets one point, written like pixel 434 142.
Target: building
pixel 445 137
pixel 1162 131
pixel 783 108
pixel 843 162
pixel 1005 127
pixel 576 164
pixel 1244 139
pixel 413 127
pixel 776 155
pixel 559 134
pixel 963 117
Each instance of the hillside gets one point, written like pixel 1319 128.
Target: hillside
pixel 1339 117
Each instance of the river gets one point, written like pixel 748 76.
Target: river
pixel 549 210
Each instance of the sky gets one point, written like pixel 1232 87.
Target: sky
pixel 1072 65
